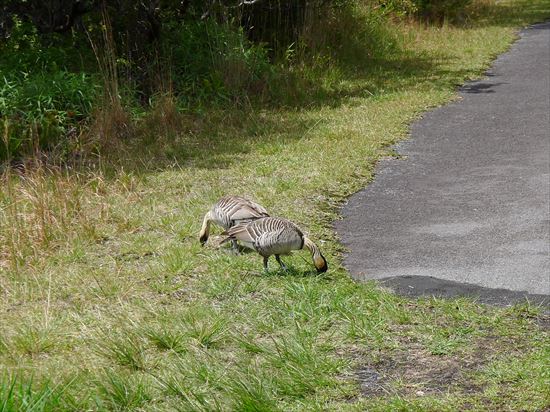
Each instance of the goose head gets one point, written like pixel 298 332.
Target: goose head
pixel 320 263
pixel 319 260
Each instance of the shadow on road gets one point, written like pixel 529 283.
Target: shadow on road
pixel 415 286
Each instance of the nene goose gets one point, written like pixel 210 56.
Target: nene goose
pixel 228 212
pixel 275 236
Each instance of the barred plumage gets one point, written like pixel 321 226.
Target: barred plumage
pixel 230 211
pixel 275 236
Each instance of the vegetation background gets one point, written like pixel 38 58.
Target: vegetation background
pixel 122 121
pixel 65 60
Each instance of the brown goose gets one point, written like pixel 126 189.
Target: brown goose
pixel 275 236
pixel 228 212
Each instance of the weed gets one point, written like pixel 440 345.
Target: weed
pixel 41 209
pixel 35 340
pixel 208 331
pixel 126 349
pixel 298 367
pixel 168 339
pixel 17 394
pixel 193 381
pixel 119 392
pixel 249 392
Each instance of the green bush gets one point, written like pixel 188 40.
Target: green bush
pixel 40 100
pixel 39 109
pixel 213 61
pixel 277 49
pixel 400 7
pixel 441 9
pixel 433 10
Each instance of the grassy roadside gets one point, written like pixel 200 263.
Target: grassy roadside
pixel 119 308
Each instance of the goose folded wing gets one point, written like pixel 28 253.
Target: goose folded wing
pixel 276 242
pixel 240 232
pixel 248 212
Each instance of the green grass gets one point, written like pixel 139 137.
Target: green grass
pixel 117 307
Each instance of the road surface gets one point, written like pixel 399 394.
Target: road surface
pixel 466 210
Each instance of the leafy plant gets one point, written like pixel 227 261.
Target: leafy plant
pixel 441 9
pixel 41 100
pixel 208 60
pixel 17 394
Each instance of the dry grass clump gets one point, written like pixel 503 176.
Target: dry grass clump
pixel 110 123
pixel 164 118
pixel 44 207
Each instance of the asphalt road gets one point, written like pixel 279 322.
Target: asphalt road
pixel 466 211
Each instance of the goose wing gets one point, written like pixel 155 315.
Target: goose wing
pixel 241 232
pixel 247 233
pixel 231 210
pixel 268 236
pixel 278 242
pixel 248 210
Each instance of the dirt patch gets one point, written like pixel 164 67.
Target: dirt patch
pixel 370 381
pixel 413 370
pixel 543 322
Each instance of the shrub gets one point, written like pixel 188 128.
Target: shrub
pixel 400 7
pixel 210 60
pixel 437 10
pixel 40 99
pixel 433 10
pixel 38 109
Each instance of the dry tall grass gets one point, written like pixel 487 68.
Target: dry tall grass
pixel 43 208
pixel 111 120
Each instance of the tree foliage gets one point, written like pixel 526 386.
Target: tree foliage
pixel 56 54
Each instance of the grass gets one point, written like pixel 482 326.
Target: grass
pixel 109 302
pixel 19 394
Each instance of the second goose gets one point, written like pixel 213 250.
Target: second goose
pixel 228 212
pixel 275 236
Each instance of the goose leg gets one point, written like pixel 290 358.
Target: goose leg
pixel 266 258
pixel 235 246
pixel 283 266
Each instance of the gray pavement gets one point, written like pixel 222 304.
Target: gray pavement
pixel 466 210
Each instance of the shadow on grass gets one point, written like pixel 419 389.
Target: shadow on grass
pixel 508 15
pixel 292 272
pixel 220 137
